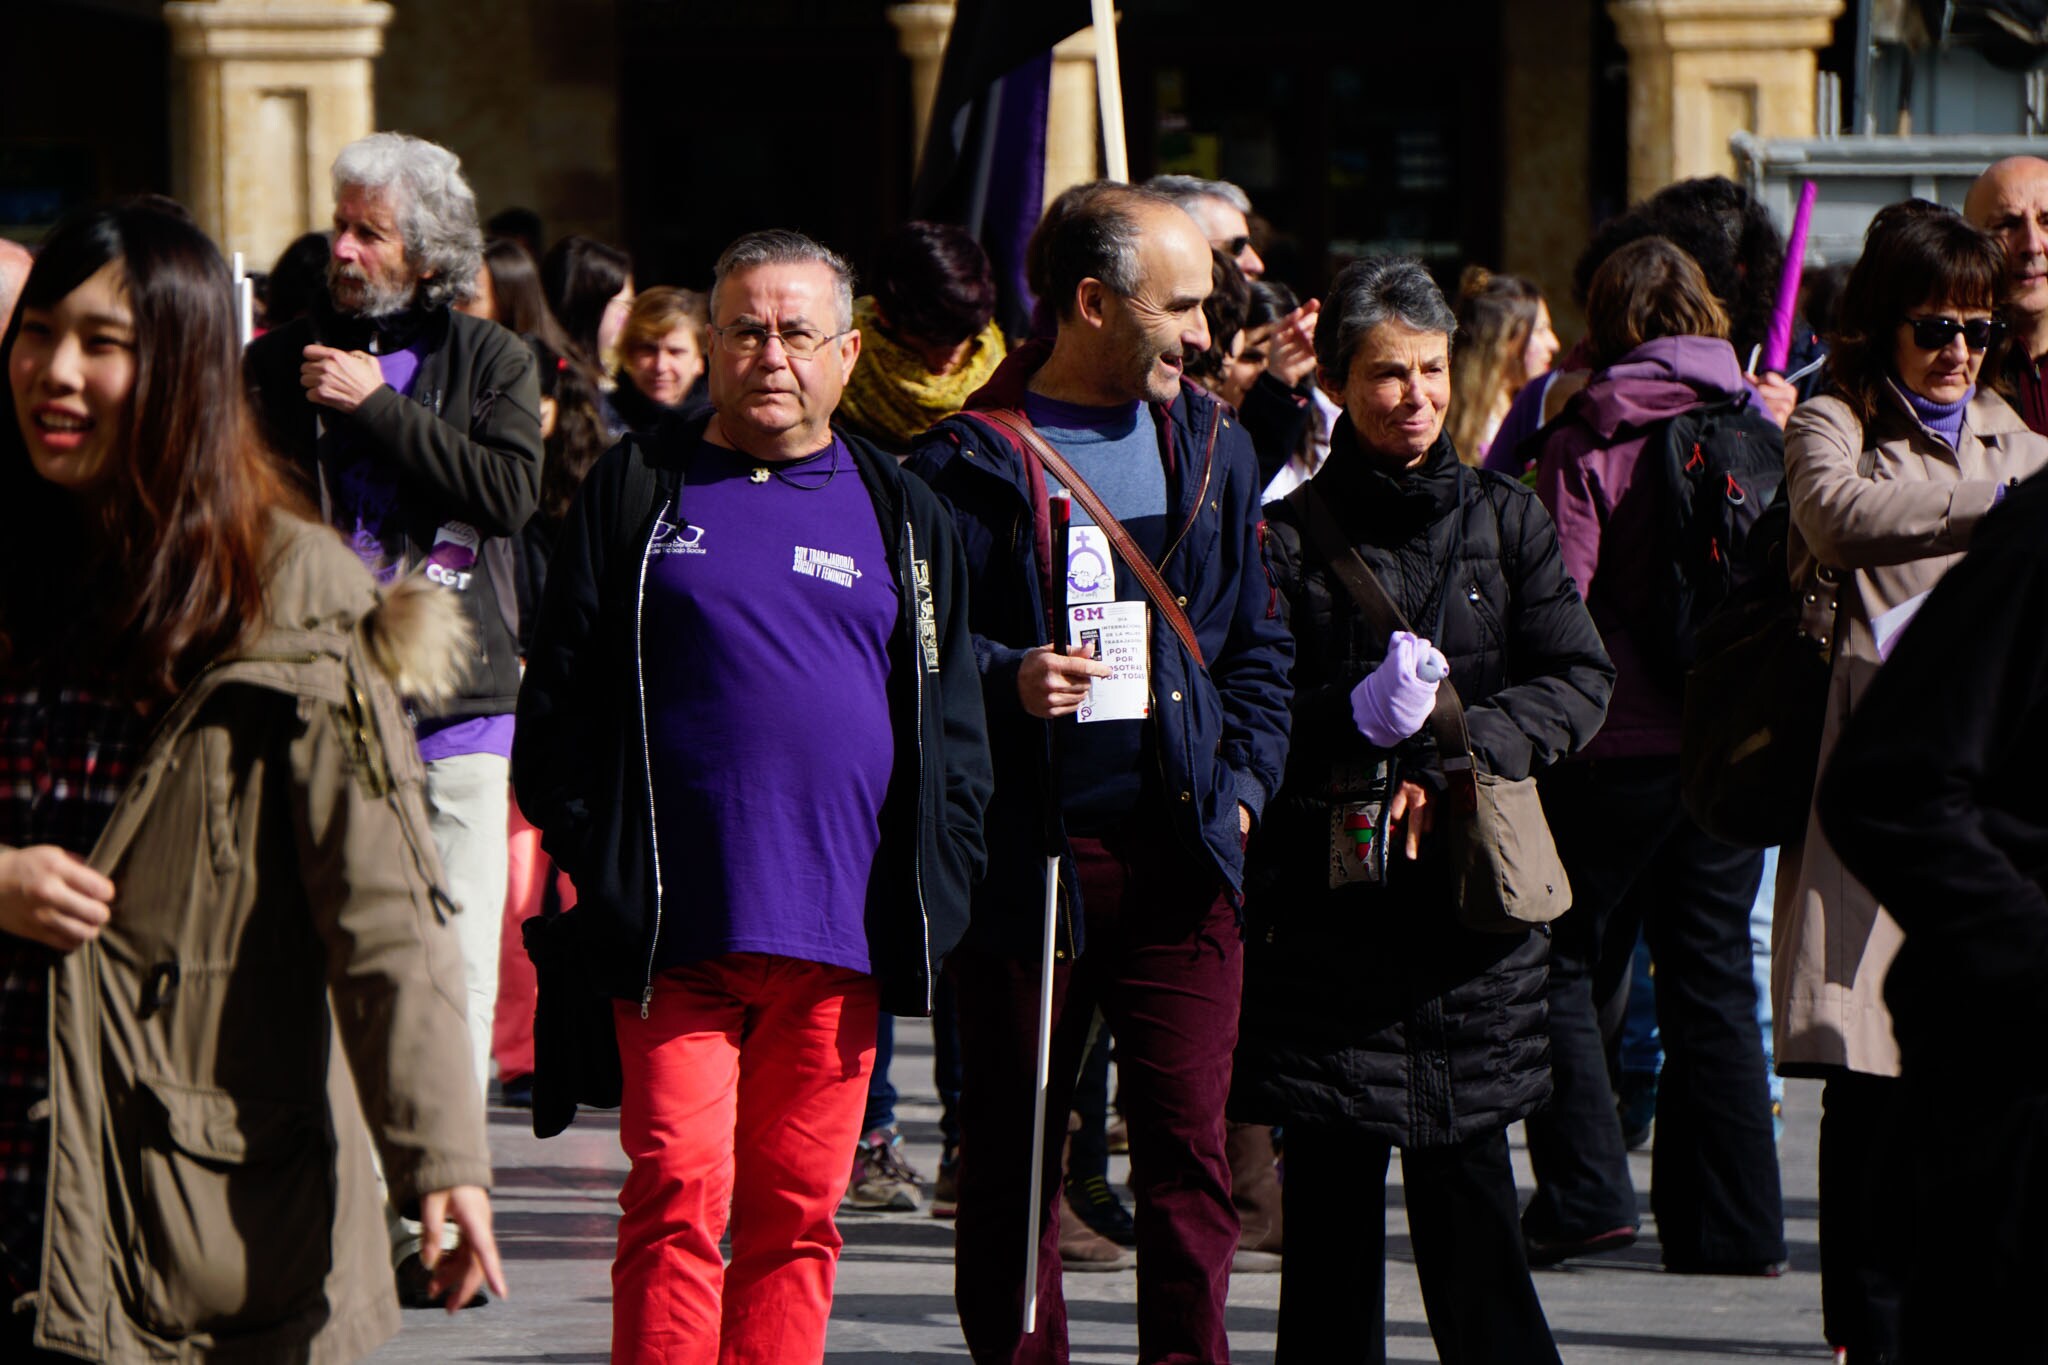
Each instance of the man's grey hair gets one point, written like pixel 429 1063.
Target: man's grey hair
pixel 781 246
pixel 1372 291
pixel 1186 189
pixel 435 207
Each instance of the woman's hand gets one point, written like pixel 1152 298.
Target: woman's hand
pixel 473 1262
pixel 1777 396
pixel 49 897
pixel 1290 343
pixel 1415 803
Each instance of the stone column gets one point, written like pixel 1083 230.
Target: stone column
pixel 273 89
pixel 921 33
pixel 1700 70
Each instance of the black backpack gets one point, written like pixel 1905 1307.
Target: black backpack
pixel 1712 473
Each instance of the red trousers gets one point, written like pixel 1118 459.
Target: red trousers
pixel 744 1089
pixel 525 888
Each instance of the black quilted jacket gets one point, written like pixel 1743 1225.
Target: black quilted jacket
pixel 1370 1008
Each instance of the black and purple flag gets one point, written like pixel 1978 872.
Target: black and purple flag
pixel 984 159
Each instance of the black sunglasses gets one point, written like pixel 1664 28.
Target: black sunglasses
pixel 1234 248
pixel 1934 334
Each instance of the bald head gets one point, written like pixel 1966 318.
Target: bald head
pixel 2010 201
pixel 1128 270
pixel 14 264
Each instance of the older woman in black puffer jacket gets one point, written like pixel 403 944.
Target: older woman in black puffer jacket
pixel 1373 1020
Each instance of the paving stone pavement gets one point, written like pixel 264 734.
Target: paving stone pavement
pixel 557 1211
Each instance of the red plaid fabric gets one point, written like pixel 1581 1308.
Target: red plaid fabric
pixel 64 758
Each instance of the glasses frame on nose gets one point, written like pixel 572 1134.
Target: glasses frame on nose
pixel 1934 334
pixel 748 339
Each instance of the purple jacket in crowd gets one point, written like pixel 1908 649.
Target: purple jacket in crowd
pixel 1586 479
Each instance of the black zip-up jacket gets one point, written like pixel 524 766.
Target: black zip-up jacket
pixel 465 445
pixel 579 752
pixel 1370 1009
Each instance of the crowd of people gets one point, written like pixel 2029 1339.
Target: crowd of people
pixel 482 682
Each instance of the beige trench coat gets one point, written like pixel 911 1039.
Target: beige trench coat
pixel 1893 534
pixel 277 949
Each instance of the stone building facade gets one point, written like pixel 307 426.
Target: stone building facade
pixel 667 125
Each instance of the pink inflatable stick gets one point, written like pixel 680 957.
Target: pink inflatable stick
pixel 1779 344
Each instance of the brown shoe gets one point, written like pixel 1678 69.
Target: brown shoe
pixel 1254 1187
pixel 1083 1248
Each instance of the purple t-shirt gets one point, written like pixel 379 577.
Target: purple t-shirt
pixel 766 616
pixel 459 735
pixel 364 488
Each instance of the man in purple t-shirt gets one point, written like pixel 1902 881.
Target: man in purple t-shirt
pixel 755 630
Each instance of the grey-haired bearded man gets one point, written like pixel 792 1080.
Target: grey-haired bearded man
pixel 417 430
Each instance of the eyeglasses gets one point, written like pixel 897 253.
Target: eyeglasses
pixel 1234 248
pixel 1934 334
pixel 745 339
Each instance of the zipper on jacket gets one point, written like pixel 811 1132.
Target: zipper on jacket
pixel 917 826
pixel 1201 494
pixel 646 761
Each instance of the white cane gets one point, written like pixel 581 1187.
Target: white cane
pixel 1052 897
pixel 1058 509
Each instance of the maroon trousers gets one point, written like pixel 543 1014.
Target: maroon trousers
pixel 1165 965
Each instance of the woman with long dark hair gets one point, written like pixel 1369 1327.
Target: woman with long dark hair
pixel 1888 476
pixel 589 288
pixel 507 291
pixel 214 860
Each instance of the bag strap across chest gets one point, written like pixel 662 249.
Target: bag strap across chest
pixel 1447 721
pixel 1168 606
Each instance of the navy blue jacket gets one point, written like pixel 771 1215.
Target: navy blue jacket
pixel 1220 732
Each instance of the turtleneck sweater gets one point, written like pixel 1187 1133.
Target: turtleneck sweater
pixel 1943 419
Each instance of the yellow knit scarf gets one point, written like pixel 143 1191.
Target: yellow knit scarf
pixel 893 397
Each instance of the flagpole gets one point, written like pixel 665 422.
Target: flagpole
pixel 1109 90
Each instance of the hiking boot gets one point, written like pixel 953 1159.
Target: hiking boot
pixel 946 1188
pixel 882 1180
pixel 1083 1248
pixel 1098 1207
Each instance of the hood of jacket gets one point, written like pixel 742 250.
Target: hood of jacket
pixel 1658 380
pixel 414 632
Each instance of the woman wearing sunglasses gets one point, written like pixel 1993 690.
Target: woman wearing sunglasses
pixel 1888 475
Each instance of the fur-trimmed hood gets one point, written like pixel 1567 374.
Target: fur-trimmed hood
pixel 413 631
